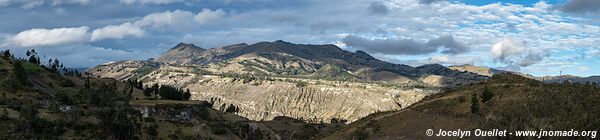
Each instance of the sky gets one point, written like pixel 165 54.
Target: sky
pixel 531 36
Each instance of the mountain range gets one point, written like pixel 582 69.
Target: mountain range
pixel 308 82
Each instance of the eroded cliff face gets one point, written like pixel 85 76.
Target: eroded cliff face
pixel 313 102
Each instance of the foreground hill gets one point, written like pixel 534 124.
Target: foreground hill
pixel 39 103
pixel 314 83
pixel 506 101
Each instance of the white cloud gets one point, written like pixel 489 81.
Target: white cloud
pixel 117 32
pixel 507 47
pixel 515 53
pixel 167 19
pixel 206 15
pixel 50 37
pixel 148 1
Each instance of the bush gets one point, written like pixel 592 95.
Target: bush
pixel 474 104
pixel 486 95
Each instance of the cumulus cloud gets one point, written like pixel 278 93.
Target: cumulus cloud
pixel 148 1
pixel 179 18
pixel 166 19
pixel 429 1
pixel 175 20
pixel 206 16
pixel 50 37
pixel 581 6
pixel 515 53
pixel 160 21
pixel 117 32
pixel 378 8
pixel 446 44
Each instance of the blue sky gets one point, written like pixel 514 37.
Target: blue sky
pixel 531 36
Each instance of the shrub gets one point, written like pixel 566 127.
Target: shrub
pixel 486 95
pixel 474 104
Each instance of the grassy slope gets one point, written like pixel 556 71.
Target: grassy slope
pixel 518 104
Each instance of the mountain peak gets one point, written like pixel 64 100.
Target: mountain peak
pixel 186 47
pixel 182 52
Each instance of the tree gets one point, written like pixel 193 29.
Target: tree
pixel 172 93
pixel 474 104
pixel 6 54
pixel 187 95
pixel 55 65
pixel 487 94
pixel 33 59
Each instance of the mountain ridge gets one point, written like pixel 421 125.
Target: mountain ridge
pixel 323 54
